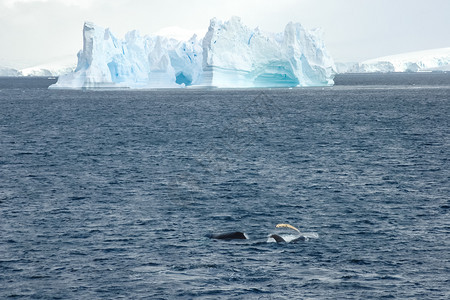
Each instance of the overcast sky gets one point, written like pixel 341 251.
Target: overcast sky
pixel 39 31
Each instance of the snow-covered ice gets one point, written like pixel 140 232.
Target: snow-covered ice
pixel 56 68
pixel 230 55
pixel 6 71
pixel 428 60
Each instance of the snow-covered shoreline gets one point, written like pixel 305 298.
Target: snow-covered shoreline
pixel 56 68
pixel 418 61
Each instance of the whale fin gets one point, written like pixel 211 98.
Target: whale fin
pixel 277 238
pixel 287 226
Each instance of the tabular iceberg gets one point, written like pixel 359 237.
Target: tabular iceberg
pixel 230 55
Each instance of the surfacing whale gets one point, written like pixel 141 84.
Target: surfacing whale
pixel 229 236
pixel 279 239
pixel 237 235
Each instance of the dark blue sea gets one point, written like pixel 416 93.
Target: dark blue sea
pixel 111 194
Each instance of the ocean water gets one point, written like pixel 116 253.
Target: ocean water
pixel 110 194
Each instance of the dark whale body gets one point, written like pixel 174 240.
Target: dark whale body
pixel 279 239
pixel 228 236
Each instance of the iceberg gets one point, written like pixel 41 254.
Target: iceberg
pixel 230 55
pixel 428 60
pixel 237 56
pixel 134 62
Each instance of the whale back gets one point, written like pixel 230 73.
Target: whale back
pixel 277 238
pixel 229 236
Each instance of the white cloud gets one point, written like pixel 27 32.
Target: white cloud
pixel 354 29
pixel 78 3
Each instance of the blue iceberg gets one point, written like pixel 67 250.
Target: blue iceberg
pixel 231 55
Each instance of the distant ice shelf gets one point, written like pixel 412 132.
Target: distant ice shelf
pixel 230 55
pixel 6 71
pixel 58 67
pixel 428 60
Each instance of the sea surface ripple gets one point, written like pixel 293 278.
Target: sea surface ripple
pixel 110 194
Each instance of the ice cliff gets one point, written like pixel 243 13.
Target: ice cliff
pixel 134 62
pixel 230 55
pixel 237 56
